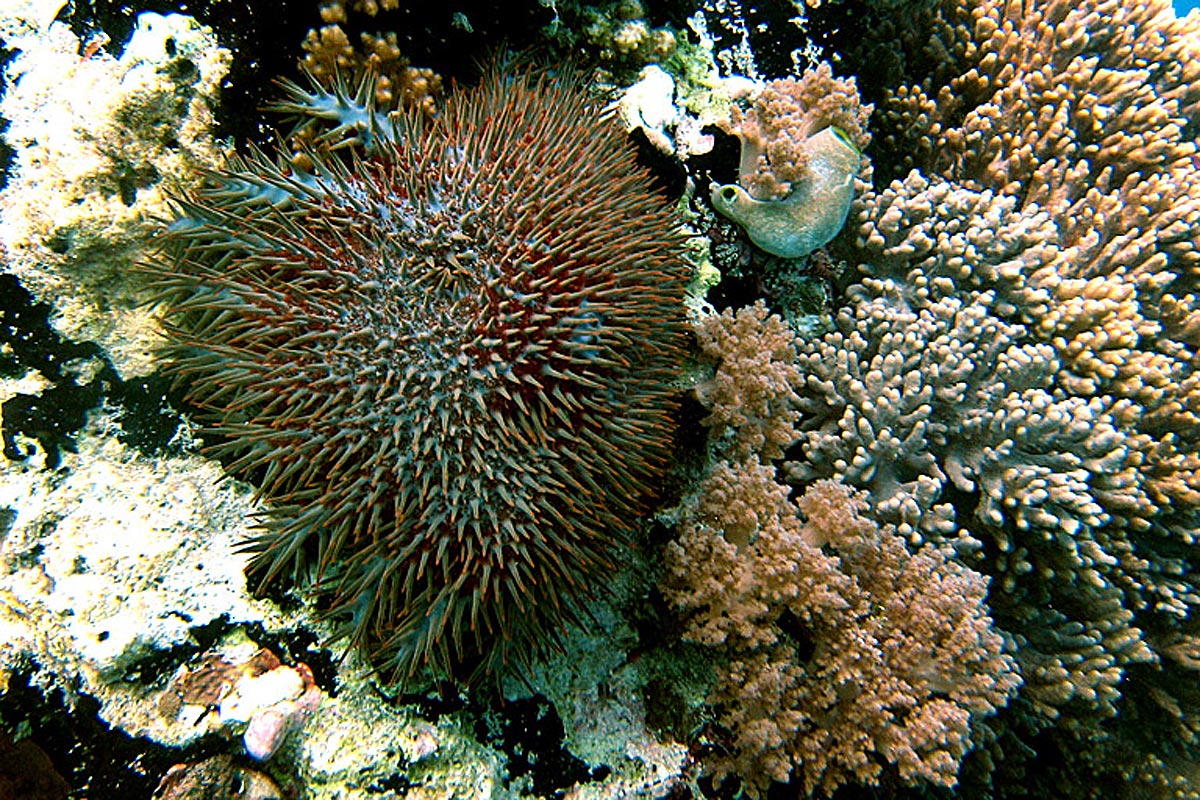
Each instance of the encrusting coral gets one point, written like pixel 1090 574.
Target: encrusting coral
pixel 445 360
pixel 802 148
pixel 845 653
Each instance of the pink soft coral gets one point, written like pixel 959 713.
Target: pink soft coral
pixel 846 652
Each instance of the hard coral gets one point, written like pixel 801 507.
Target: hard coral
pixel 329 54
pixel 446 361
pixel 845 651
pixel 1017 365
pixel 622 37
pixel 750 399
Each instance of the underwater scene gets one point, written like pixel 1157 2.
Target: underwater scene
pixel 681 399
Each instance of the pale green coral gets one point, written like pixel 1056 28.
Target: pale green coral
pixel 815 210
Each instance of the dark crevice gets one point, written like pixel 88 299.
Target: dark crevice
pixel 96 761
pixel 81 377
pixel 79 755
pixel 531 736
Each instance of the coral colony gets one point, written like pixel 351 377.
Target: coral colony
pixel 1010 387
pixel 444 358
pixel 941 539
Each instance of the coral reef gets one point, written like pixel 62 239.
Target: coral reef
pixel 1010 377
pixel 776 130
pixel 216 777
pixel 447 362
pixel 669 84
pixel 119 543
pixel 1013 372
pixel 621 37
pixel 843 653
pixel 649 106
pixel 946 541
pixel 101 560
pixel 119 567
pixel 330 57
pixel 258 694
pixel 97 140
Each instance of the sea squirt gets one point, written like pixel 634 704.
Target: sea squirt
pixel 815 210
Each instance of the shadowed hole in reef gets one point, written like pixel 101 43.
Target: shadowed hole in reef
pixel 80 377
pixel 530 733
pixel 96 761
pixel 794 628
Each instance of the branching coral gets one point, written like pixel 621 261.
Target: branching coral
pixel 950 413
pixel 1013 378
pixel 329 56
pixel 751 404
pixel 847 653
pixel 1014 372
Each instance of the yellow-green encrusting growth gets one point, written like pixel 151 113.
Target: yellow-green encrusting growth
pixel 815 210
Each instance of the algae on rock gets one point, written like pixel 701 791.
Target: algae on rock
pixel 98 142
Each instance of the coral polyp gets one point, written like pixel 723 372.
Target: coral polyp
pixel 444 353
